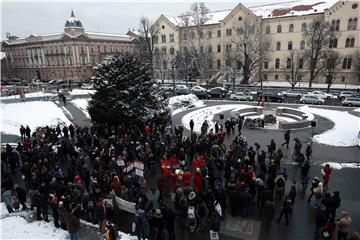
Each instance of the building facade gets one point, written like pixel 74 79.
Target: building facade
pixel 67 55
pixel 282 25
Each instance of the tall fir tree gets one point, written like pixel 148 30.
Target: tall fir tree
pixel 126 93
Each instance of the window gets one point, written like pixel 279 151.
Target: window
pixel 303 27
pixel 156 40
pixel 301 63
pixel 302 45
pixel 228 63
pixel 347 63
pixel 291 28
pixel 333 43
pixel 201 49
pixel 288 63
pixel 193 35
pixel 228 47
pixel 210 49
pixel 163 38
pixel 201 34
pixel 276 77
pixel 172 51
pixel 290 44
pixel 185 49
pixel 277 63
pixel 266 64
pixel 219 48
pixel 354 6
pixel 171 37
pixel 350 42
pixel 337 25
pixel 156 51
pixel 228 32
pixel 267 30
pixel 265 77
pixel 210 64
pixel 218 63
pixel 287 77
pixel 185 36
pixel 352 24
pixel 278 46
pixel 209 34
pixel 218 33
pixel 279 28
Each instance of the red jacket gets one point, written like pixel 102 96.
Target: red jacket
pixel 327 172
pixel 173 161
pixel 186 178
pixel 198 182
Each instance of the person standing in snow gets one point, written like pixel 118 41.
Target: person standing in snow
pixel 191 125
pixel 73 222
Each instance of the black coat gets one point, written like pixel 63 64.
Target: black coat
pixel 21 194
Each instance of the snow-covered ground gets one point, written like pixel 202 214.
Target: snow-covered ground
pixel 82 104
pixel 122 235
pixel 357 110
pixel 29 95
pixel 338 166
pixel 76 92
pixel 208 113
pixel 34 114
pixel 306 84
pixel 183 102
pixel 16 227
pixel 345 131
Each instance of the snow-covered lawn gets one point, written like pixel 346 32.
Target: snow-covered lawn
pixel 208 113
pixel 34 114
pixel 29 95
pixel 16 227
pixel 357 110
pixel 345 131
pixel 184 102
pixel 338 166
pixel 82 104
pixel 81 92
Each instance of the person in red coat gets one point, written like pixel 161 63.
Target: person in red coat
pixel 186 178
pixel 326 171
pixel 198 181
pixel 164 170
pixel 174 161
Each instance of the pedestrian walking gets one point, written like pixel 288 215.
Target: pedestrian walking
pixel 326 172
pixel 343 225
pixel 285 210
pixel 287 139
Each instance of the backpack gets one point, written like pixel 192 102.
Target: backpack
pixel 280 183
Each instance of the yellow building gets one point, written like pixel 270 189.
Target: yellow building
pixel 281 26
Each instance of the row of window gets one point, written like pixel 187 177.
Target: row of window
pixel 333 43
pixel 334 25
pixel 346 63
pixel 276 77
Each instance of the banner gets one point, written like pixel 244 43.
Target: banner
pixel 139 165
pixel 129 167
pixel 125 205
pixel 139 172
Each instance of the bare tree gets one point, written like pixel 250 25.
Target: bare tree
pixel 147 39
pixel 356 61
pixel 331 65
pixel 161 64
pixel 249 51
pixel 293 69
pixel 317 38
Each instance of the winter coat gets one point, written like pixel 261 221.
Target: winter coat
pixel 21 193
pixel 62 214
pixel 344 224
pixel 100 212
pixel 198 182
pixel 269 209
pixel 6 198
pixel 73 223
pixel 186 178
pixel 116 186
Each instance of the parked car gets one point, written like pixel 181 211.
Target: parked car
pixel 216 92
pixel 345 94
pixel 271 96
pixel 351 102
pixel 321 94
pixel 88 86
pixel 181 90
pixel 199 91
pixel 291 93
pixel 242 96
pixel 167 88
pixel 312 99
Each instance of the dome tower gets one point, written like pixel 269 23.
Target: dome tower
pixel 73 26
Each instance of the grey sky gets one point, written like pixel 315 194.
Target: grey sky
pixel 24 18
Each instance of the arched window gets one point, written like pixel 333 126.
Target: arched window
pixel 279 28
pixel 290 45
pixel 303 27
pixel 291 28
pixel 347 63
pixel 301 63
pixel 218 48
pixel 267 29
pixel 277 63
pixel 266 64
pixel 219 33
pixel 210 49
pixel 333 43
pixel 288 63
pixel 276 77
pixel 352 42
pixel 337 26
pixel 352 23
pixel 302 45
pixel 278 46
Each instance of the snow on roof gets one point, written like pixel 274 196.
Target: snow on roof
pixel 108 36
pixel 283 9
pixel 213 18
pixel 292 8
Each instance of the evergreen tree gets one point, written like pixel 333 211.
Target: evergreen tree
pixel 126 93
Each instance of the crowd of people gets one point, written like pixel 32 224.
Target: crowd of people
pixel 196 180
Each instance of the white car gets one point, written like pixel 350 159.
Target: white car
pixel 321 94
pixel 312 99
pixel 198 89
pixel 241 96
pixel 88 86
pixel 291 93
